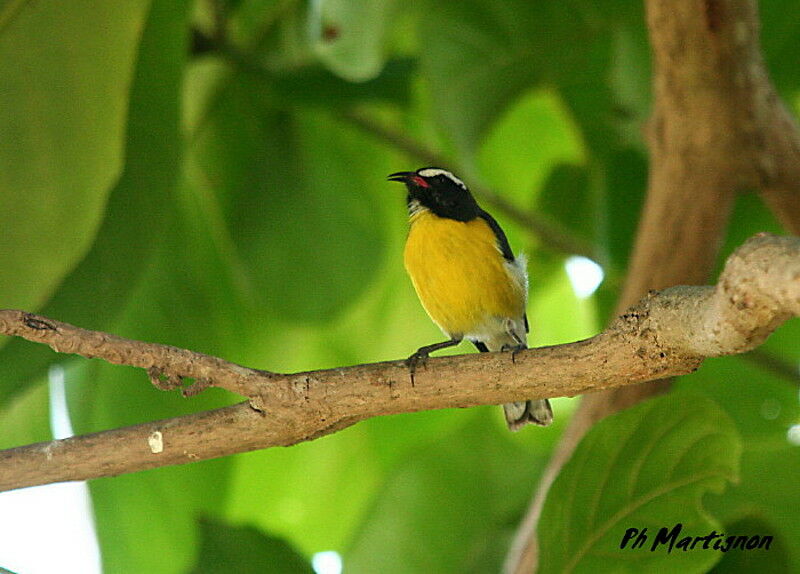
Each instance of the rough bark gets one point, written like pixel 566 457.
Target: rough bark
pixel 667 333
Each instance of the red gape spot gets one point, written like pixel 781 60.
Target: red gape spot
pixel 420 181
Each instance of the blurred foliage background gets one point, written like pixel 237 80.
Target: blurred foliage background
pixel 211 175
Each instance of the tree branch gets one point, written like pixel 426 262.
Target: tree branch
pixel 717 127
pixel 666 334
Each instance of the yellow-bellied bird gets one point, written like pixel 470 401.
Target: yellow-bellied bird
pixel 466 275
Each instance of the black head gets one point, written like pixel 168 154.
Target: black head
pixel 440 191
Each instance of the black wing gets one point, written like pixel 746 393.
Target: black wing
pixel 502 241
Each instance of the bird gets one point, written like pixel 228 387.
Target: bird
pixel 466 276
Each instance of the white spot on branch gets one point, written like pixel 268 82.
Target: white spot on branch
pixel 156 442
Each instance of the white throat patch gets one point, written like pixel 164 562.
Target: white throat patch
pixel 415 207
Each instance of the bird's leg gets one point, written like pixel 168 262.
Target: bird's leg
pixel 420 357
pixel 519 343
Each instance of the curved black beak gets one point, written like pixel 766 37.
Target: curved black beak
pixel 402 176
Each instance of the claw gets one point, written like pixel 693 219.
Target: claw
pixel 422 354
pixel 414 361
pixel 514 350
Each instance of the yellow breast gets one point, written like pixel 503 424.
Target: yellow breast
pixel 459 274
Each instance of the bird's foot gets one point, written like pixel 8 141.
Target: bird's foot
pixel 418 359
pixel 422 354
pixel 514 350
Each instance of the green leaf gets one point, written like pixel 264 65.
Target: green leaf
pixel 780 38
pixel 317 511
pixel 62 116
pixel 763 406
pixel 26 419
pixel 626 189
pixel 775 560
pixel 630 74
pixel 243 550
pixel 313 85
pixel 453 505
pixel 96 290
pixel 763 494
pixel 318 87
pixel 146 521
pixel 565 196
pixel 750 216
pixel 532 136
pixel 318 490
pixel 350 37
pixel 275 31
pixel 479 56
pixel 297 209
pixel 647 467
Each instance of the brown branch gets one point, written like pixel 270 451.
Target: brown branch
pixel 167 366
pixel 717 127
pixel 666 334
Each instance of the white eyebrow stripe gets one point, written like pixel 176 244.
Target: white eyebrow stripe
pixel 433 172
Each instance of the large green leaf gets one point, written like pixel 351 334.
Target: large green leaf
pixel 647 467
pixel 313 86
pixel 453 505
pixel 773 558
pixel 627 187
pixel 96 290
pixel 762 496
pixel 313 494
pixel 146 521
pixel 763 406
pixel 534 134
pixel 302 215
pixel 479 56
pixel 204 292
pixel 780 38
pixel 62 120
pixel 230 549
pixel 320 509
